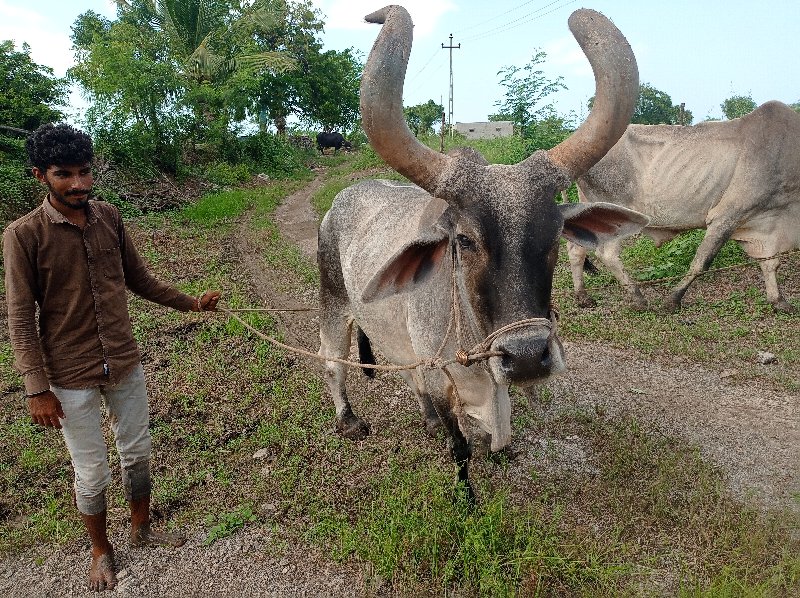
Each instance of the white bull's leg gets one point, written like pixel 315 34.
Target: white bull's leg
pixel 716 235
pixel 577 257
pixel 609 255
pixel 447 405
pixel 335 339
pixel 416 381
pixel 769 270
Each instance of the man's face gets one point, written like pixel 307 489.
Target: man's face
pixel 70 185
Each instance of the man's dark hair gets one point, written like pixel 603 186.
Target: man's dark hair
pixel 59 145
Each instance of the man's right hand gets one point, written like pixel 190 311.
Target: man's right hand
pixel 45 409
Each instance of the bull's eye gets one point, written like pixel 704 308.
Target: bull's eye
pixel 465 243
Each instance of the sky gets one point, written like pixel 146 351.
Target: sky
pixel 700 52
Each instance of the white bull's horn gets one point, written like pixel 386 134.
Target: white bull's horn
pixel 617 89
pixel 382 102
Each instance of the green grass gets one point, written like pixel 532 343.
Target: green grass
pixel 243 436
pixel 724 322
pixel 673 258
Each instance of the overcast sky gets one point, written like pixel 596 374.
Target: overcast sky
pixel 699 52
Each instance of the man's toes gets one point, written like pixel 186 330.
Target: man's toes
pixel 101 573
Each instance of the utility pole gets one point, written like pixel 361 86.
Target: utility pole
pixel 451 47
pixel 441 134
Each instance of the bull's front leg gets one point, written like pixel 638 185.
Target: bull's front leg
pixel 718 232
pixel 416 382
pixel 449 411
pixel 335 340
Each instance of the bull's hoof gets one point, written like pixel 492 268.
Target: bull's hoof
pixel 637 303
pixel 672 305
pixel 352 427
pixel 784 307
pixel 584 300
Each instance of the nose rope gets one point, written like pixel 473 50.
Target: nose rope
pixel 481 349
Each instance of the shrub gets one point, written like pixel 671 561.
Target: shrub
pixel 272 155
pixel 20 192
pixel 222 173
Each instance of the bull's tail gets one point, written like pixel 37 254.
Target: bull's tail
pixel 365 354
pixel 589 267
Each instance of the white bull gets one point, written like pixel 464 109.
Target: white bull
pixel 465 254
pixel 739 179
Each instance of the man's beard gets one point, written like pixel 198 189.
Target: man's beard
pixel 65 199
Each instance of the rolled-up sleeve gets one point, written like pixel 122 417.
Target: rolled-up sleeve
pixel 20 279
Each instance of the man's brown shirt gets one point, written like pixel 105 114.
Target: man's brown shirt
pixel 78 279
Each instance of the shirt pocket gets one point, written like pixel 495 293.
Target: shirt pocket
pixel 110 261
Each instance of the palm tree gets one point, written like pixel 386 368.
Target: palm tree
pixel 212 40
pixel 212 37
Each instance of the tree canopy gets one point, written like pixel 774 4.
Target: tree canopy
pixel 174 81
pixel 737 106
pixel 655 107
pixel 527 88
pixel 30 94
pixel 421 118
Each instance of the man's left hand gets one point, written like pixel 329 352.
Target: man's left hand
pixel 208 301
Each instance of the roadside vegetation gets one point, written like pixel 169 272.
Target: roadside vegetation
pixel 243 436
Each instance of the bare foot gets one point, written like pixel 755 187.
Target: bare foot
pixel 144 536
pixel 101 573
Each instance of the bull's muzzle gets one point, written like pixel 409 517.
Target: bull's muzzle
pixel 528 354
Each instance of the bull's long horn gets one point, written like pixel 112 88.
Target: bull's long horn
pixel 617 88
pixel 382 101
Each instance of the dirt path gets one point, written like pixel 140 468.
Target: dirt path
pixel 750 431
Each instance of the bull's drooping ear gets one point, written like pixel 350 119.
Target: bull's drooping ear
pixel 410 266
pixel 592 224
pixel 418 258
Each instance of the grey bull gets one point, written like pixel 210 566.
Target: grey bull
pixel 739 179
pixel 464 256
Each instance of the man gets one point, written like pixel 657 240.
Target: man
pixel 72 258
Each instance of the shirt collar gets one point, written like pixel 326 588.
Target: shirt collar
pixel 57 217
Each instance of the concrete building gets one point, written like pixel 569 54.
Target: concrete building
pixel 486 130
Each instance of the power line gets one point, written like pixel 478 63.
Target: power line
pixel 519 21
pixel 419 72
pixel 494 18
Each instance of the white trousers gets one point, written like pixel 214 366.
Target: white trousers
pixel 126 406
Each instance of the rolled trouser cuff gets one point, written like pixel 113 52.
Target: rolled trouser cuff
pixel 91 505
pixel 136 480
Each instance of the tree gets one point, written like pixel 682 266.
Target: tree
pixel 795 106
pixel 737 106
pixel 135 87
pixel 29 92
pixel 526 88
pixel 329 93
pixel 211 37
pixel 29 95
pixel 421 118
pixel 655 107
pixel 323 91
pixel 168 69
